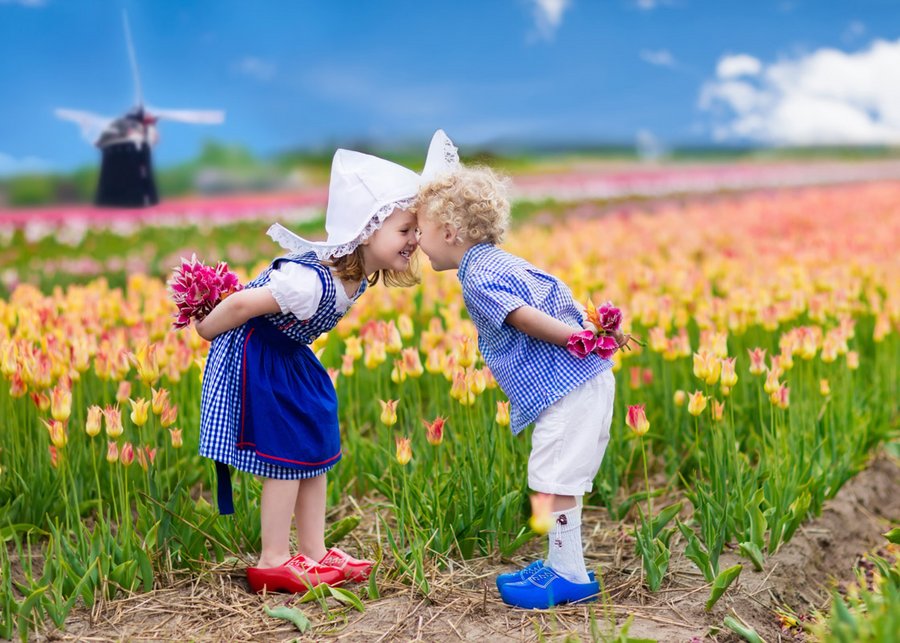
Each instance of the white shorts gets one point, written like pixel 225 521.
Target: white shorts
pixel 570 438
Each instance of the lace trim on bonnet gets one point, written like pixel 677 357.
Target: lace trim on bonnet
pixel 295 243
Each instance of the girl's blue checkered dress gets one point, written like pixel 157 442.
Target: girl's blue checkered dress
pixel 268 406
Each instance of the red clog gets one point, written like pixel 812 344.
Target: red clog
pixel 353 569
pixel 297 575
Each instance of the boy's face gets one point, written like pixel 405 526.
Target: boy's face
pixel 436 240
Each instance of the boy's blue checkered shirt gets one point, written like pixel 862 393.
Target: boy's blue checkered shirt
pixel 534 374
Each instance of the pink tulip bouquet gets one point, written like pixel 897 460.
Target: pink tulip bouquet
pixel 602 326
pixel 197 288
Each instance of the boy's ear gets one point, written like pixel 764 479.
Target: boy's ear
pixel 450 233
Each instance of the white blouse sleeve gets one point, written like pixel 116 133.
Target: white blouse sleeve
pixel 296 288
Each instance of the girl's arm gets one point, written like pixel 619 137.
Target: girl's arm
pixel 540 325
pixel 235 310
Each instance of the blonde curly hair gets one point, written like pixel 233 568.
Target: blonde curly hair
pixel 471 199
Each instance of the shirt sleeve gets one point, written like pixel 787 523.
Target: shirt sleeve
pixel 296 288
pixel 493 296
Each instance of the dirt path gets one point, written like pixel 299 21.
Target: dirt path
pixel 465 606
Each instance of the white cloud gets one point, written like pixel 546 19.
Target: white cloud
pixel 660 57
pixel 33 4
pixel 650 5
pixel 386 96
pixel 11 165
pixel 854 31
pixel 739 65
pixel 824 97
pixel 255 68
pixel 548 16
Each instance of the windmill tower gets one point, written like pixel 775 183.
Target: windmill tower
pixel 126 167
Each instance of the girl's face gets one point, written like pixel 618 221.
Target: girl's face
pixel 392 244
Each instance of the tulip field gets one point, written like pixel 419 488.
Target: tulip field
pixel 768 380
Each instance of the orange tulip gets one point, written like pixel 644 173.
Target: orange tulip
pixel 126 456
pixel 718 410
pixel 824 388
pixel 112 452
pixel 757 361
pixel 123 394
pixel 113 418
pixel 177 440
pixel 159 400
pixel 168 416
pixel 347 365
pixel 502 417
pixel 434 431
pixel 679 397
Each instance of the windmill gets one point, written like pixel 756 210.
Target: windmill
pixel 126 168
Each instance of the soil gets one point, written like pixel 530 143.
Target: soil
pixel 464 604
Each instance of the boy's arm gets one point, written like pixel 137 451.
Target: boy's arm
pixel 235 310
pixel 540 325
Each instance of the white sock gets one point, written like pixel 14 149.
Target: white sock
pixel 566 556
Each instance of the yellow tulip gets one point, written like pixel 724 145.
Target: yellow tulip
pixel 697 403
pixel 541 519
pixel 61 403
pixel 57 430
pixel 159 400
pixel 94 420
pixel 679 397
pixel 140 410
pixel 824 388
pixel 404 450
pixel 388 412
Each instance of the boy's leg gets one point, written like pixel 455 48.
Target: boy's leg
pixel 309 514
pixel 276 508
pixel 565 551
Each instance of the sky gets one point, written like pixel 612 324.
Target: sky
pixel 318 74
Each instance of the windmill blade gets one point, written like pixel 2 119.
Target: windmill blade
pixel 199 117
pixel 138 93
pixel 92 125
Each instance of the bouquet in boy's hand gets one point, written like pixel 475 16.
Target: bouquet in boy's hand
pixel 602 334
pixel 197 288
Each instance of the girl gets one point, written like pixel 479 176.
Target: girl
pixel 268 407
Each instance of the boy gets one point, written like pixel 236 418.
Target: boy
pixel 525 318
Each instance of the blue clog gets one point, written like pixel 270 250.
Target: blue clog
pixel 545 588
pixel 522 574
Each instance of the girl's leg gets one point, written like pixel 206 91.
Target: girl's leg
pixel 276 507
pixel 309 514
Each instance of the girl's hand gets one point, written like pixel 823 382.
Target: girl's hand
pixel 199 327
